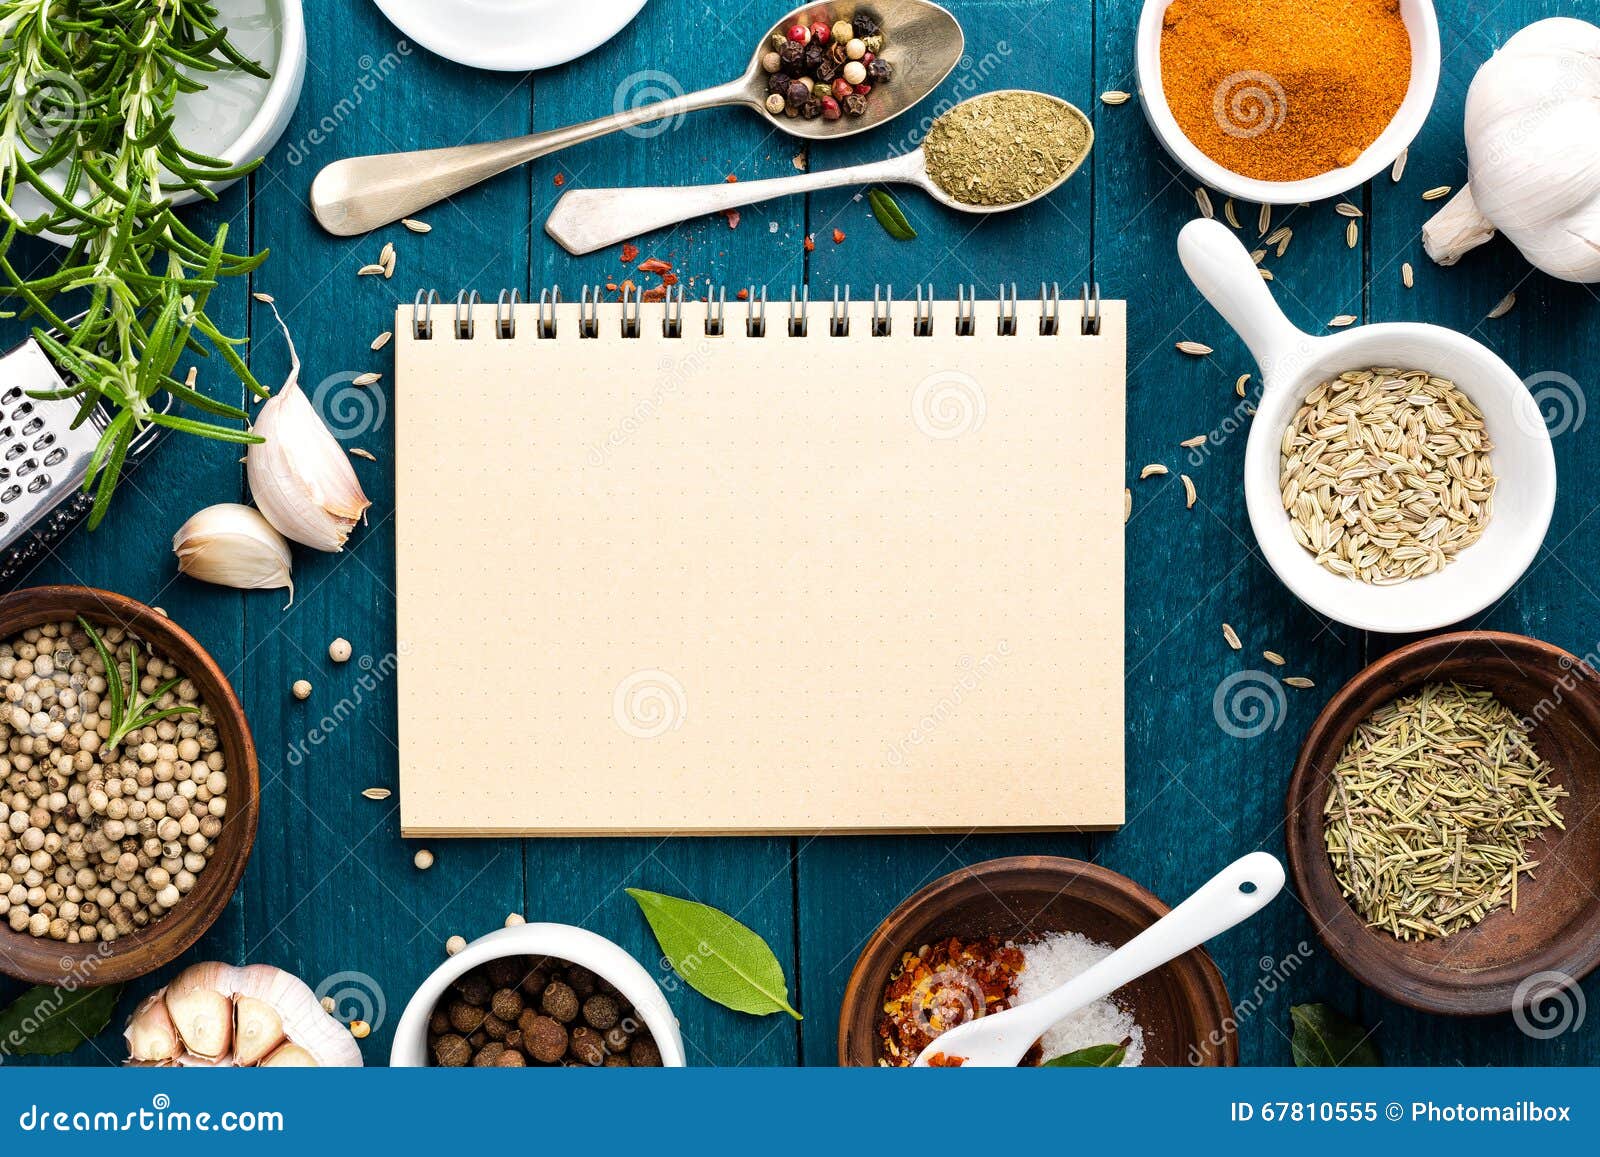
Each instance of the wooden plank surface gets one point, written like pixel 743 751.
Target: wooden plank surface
pixel 331 893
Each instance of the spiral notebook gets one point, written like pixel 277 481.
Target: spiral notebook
pixel 739 567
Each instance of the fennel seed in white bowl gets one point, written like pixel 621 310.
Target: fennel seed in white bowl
pixel 1386 474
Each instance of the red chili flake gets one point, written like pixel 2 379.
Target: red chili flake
pixel 561 179
pixel 940 1061
pixel 743 295
pixel 611 286
pixel 811 242
pixel 655 293
pixel 945 984
pixel 732 179
pixel 655 265
pixel 630 253
pixel 627 286
pixel 733 218
pixel 838 236
pixel 669 279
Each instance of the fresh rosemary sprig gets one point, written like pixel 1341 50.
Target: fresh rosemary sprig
pixel 129 710
pixel 86 123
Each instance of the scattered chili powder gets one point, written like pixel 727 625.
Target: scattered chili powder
pixel 731 179
pixel 561 179
pixel 669 279
pixel 838 236
pixel 655 293
pixel 811 242
pixel 743 295
pixel 1288 90
pixel 940 986
pixel 630 253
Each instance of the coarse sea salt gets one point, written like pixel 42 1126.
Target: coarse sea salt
pixel 1050 963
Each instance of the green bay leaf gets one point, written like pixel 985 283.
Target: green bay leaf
pixel 716 955
pixel 889 214
pixel 1323 1038
pixel 48 1021
pixel 1093 1057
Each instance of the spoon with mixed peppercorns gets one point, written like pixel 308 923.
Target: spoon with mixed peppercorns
pixel 822 71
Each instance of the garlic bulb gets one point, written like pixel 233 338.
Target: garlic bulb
pixel 300 476
pixel 222 1016
pixel 233 546
pixel 1533 154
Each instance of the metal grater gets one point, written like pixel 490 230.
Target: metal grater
pixel 43 460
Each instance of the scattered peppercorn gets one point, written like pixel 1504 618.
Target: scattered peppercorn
pixel 822 70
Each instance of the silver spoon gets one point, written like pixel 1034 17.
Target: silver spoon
pixel 923 42
pixel 588 219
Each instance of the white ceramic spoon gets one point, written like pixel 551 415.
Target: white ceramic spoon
pixel 1232 896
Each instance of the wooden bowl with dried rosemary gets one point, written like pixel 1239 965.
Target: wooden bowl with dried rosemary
pixel 1442 827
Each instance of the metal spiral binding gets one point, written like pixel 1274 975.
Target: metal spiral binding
pixel 1049 309
pixel 1091 309
pixel 966 310
pixel 505 313
pixel 548 300
pixel 422 314
pixel 466 328
pixel 672 318
pixel 716 311
pixel 716 301
pixel 799 311
pixel 589 312
pixel 631 299
pixel 755 325
pixel 881 323
pixel 1006 323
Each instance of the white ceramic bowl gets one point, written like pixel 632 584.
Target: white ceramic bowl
pixel 237 117
pixel 577 945
pixel 1293 363
pixel 1423 25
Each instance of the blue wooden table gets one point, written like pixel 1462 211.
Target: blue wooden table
pixel 331 889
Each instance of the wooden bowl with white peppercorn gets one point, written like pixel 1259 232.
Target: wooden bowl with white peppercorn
pixel 184 819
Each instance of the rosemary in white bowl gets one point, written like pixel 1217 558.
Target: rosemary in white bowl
pixel 87 91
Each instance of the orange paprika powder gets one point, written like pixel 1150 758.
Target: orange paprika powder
pixel 1280 90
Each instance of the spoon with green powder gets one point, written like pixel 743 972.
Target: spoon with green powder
pixel 988 154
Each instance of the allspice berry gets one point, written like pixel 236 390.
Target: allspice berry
pixel 474 989
pixel 494 1028
pixel 643 1053
pixel 560 1002
pixel 506 971
pixel 514 1039
pixel 600 1011
pixel 546 1040
pixel 488 1054
pixel 618 1039
pixel 583 981
pixel 535 982
pixel 452 1051
pixel 466 1018
pixel 438 1022
pixel 586 1046
pixel 510 1059
pixel 507 1005
pixel 617 1061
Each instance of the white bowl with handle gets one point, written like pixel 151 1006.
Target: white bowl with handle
pixel 565 942
pixel 1293 363
pixel 1261 93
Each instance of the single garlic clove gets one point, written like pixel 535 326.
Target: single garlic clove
pixel 300 476
pixel 257 1030
pixel 233 546
pixel 202 1015
pixel 290 1055
pixel 151 1037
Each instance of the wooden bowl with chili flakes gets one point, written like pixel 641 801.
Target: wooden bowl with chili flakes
pixel 1182 1007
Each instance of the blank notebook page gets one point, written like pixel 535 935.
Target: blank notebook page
pixel 745 584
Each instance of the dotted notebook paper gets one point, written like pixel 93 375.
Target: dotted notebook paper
pixel 659 580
